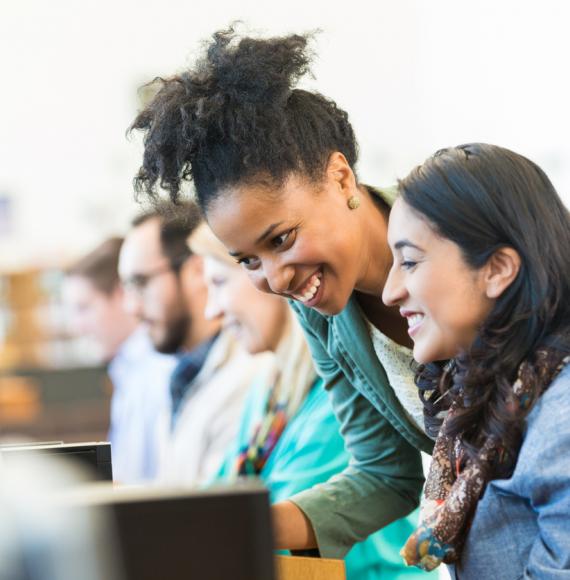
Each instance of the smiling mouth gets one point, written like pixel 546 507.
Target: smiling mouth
pixel 310 290
pixel 414 323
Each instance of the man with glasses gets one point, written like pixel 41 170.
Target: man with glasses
pixel 93 297
pixel 165 290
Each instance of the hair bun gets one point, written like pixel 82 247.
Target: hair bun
pixel 257 71
pixel 235 117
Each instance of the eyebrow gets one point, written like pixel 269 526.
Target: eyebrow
pixel 406 244
pixel 262 237
pixel 267 232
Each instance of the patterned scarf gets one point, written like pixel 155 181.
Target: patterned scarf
pixel 252 457
pixel 454 487
pixel 291 379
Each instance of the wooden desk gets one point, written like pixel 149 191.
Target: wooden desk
pixel 295 568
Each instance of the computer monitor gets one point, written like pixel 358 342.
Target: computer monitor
pixel 95 457
pixel 216 534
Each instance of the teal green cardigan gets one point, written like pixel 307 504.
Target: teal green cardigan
pixel 384 478
pixel 309 452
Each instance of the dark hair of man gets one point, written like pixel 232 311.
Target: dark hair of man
pixel 482 198
pixel 177 222
pixel 100 266
pixel 236 118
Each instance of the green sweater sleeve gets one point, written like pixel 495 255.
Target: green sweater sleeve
pixel 384 478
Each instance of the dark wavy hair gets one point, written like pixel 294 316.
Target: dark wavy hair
pixel 177 223
pixel 236 118
pixel 483 197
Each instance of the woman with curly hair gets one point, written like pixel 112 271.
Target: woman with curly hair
pixel 481 245
pixel 273 168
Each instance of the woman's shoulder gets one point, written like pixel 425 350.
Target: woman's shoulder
pixel 554 405
pixel 547 429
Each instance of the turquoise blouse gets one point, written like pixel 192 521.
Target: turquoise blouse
pixel 309 452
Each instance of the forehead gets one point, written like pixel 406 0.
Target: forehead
pixel 213 268
pixel 141 249
pixel 406 224
pixel 241 214
pixel 79 289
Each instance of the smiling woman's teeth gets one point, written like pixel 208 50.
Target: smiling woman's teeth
pixel 310 289
pixel 415 319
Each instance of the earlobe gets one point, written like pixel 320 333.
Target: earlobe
pixel 502 269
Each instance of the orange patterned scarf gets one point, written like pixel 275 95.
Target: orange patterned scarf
pixel 454 487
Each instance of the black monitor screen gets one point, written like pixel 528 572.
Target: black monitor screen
pixel 208 535
pixel 95 457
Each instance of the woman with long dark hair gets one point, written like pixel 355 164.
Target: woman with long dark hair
pixel 273 167
pixel 481 245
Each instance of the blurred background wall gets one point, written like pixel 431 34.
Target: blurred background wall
pixel 414 76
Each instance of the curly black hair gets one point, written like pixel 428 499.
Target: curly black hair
pixel 237 118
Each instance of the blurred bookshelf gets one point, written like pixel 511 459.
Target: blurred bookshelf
pixel 52 385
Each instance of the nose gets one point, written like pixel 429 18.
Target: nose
pixel 213 307
pixel 394 292
pixel 77 324
pixel 133 303
pixel 278 277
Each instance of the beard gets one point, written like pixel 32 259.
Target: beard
pixel 174 335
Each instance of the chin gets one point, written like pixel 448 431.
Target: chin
pixel 166 345
pixel 423 357
pixel 253 346
pixel 331 309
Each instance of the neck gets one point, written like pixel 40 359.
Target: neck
pixel 376 264
pixel 386 319
pixel 375 252
pixel 200 331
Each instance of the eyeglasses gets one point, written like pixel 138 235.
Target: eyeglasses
pixel 139 282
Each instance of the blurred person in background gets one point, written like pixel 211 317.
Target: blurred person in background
pixel 94 297
pixel 165 290
pixel 288 435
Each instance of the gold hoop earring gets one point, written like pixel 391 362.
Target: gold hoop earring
pixel 353 202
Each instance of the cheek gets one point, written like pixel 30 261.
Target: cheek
pixel 474 312
pixel 231 303
pixel 275 321
pixel 459 314
pixel 80 323
pixel 97 317
pixel 240 293
pixel 103 322
pixel 316 249
pixel 258 280
pixel 168 298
